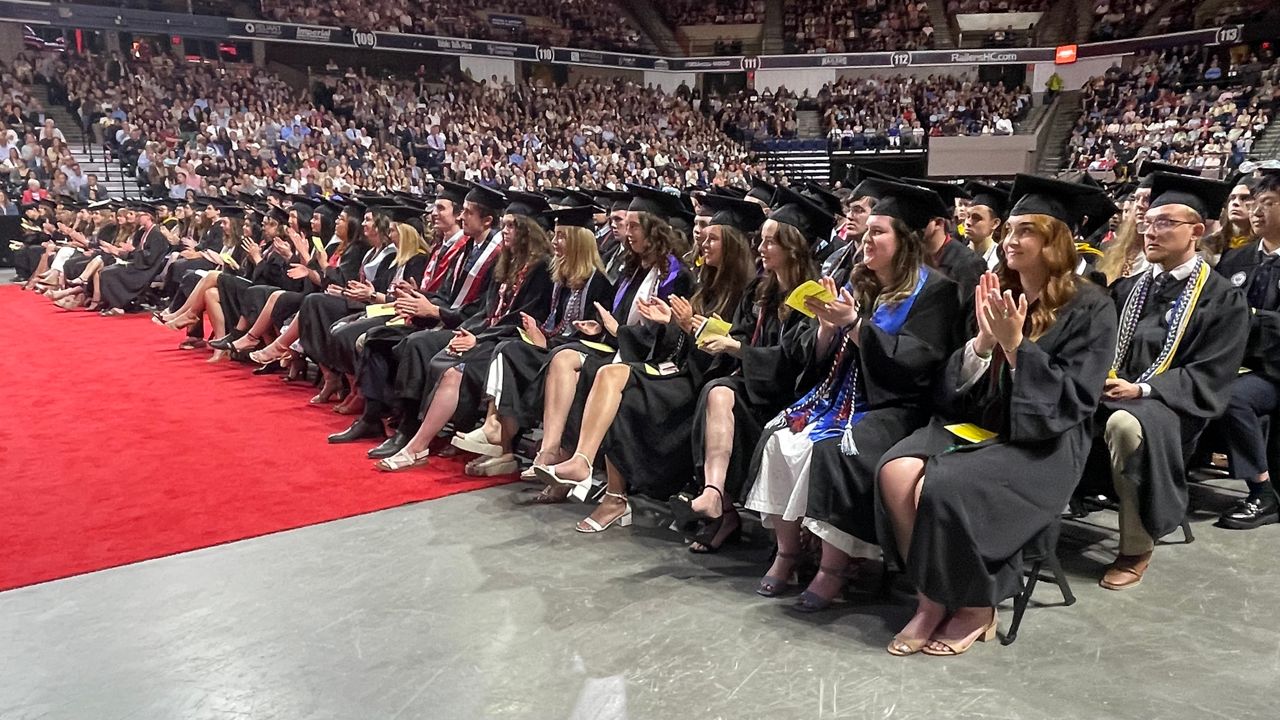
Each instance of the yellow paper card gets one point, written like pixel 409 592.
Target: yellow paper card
pixel 651 370
pixel 315 240
pixel 395 321
pixel 970 432
pixel 598 346
pixel 713 327
pixel 810 289
pixel 381 310
pixel 525 336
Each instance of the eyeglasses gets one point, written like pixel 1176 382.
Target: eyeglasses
pixel 1161 224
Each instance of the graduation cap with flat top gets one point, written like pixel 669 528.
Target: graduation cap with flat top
pixel 989 196
pixel 486 197
pixel 914 205
pixel 1148 168
pixel 1203 195
pixel 582 216
pixel 526 203
pixel 1083 208
pixel 656 202
pixel 453 192
pixel 812 220
pixel 740 214
pixel 761 190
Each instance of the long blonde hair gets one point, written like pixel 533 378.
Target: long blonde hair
pixel 409 244
pixel 580 260
pixel 1060 259
pixel 1118 253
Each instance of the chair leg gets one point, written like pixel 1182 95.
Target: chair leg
pixel 1059 577
pixel 1020 604
pixel 1187 536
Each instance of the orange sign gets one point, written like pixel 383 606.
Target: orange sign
pixel 1065 55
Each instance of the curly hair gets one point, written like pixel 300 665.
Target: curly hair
pixel 1060 259
pixel 529 245
pixel 799 267
pixel 663 240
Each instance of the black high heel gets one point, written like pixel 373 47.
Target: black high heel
pixel 224 342
pixel 711 529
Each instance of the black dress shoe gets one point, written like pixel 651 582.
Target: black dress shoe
pixel 390 446
pixel 1252 512
pixel 224 342
pixel 359 430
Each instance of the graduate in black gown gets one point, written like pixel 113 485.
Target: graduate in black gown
pixel 455 375
pixel 770 340
pixel 657 238
pixel 880 343
pixel 119 285
pixel 1181 339
pixel 577 272
pixel 984 220
pixel 945 252
pixel 626 398
pixel 1255 394
pixel 29 247
pixel 1011 431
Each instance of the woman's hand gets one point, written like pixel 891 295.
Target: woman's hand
pixel 654 310
pixel 985 341
pixel 722 344
pixel 840 312
pixel 462 341
pixel 1005 317
pixel 533 331
pixel 683 312
pixel 281 247
pixel 359 291
pixel 297 271
pixel 607 320
pixel 299 243
pixel 251 249
pixel 590 328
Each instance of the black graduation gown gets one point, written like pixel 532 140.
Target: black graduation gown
pixel 533 298
pixel 981 503
pixel 522 362
pixel 965 268
pixel 632 343
pixel 1184 398
pixel 1244 268
pixel 320 312
pixel 121 283
pixel 346 270
pixel 27 257
pixel 75 266
pixel 657 458
pixel 896 373
pixel 346 333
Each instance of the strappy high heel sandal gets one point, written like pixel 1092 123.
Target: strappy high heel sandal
pixel 253 342
pixel 531 473
pixel 580 487
pixel 771 586
pixel 592 526
pixel 268 354
pixel 986 634
pixel 811 602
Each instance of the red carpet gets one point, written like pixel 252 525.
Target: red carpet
pixel 117 447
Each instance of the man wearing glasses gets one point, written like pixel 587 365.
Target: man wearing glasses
pixel 1179 343
pixel 1255 392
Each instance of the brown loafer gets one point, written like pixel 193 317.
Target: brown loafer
pixel 1126 572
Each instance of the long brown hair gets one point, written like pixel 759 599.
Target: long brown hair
pixel 1061 284
pixel 1116 256
pixel 529 244
pixel 663 240
pixel 799 267
pixel 720 288
pixel 1219 241
pixel 905 271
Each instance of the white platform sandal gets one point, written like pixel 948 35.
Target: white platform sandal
pixel 581 488
pixel 593 527
pixel 403 460
pixel 476 442
pixel 492 467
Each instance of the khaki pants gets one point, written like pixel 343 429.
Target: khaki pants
pixel 1124 436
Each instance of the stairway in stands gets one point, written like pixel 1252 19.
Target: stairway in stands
pixel 92 160
pixel 645 16
pixel 944 25
pixel 1055 147
pixel 809 124
pixel 773 42
pixel 1267 145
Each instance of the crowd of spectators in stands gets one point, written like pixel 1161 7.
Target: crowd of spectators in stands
pixel 711 12
pixel 1180 106
pixel 748 116
pixel 576 23
pixel 34 158
pixel 901 110
pixel 188 127
pixel 957 7
pixel 1242 12
pixel 836 26
pixel 1116 19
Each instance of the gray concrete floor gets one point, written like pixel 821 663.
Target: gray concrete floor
pixel 474 607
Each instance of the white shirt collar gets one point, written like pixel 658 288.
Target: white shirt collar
pixel 1181 272
pixel 1262 248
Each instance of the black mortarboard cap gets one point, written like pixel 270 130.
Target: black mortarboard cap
pixel 356 209
pixel 486 197
pixel 656 202
pixel 555 196
pixel 577 198
pixel 1150 167
pixel 728 191
pixel 526 203
pixel 278 194
pixel 1069 202
pixel 583 216
pixel 741 214
pixel 762 191
pixel 949 192
pixel 1203 195
pixel 232 211
pixel 279 215
pixel 913 204
pixel 612 199
pixel 329 208
pixel 304 211
pixel 811 219
pixel 453 192
pixel 822 196
pixel 989 195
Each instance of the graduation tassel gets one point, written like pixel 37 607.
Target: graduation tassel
pixel 778 421
pixel 847 445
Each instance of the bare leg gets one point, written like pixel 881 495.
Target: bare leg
pixel 787 533
pixel 962 628
pixel 195 303
pixel 718 440
pixel 217 322
pixel 830 579
pixel 260 326
pixel 562 380
pixel 443 404
pixel 602 408
pixel 900 483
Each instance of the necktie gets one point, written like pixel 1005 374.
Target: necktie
pixel 1263 280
